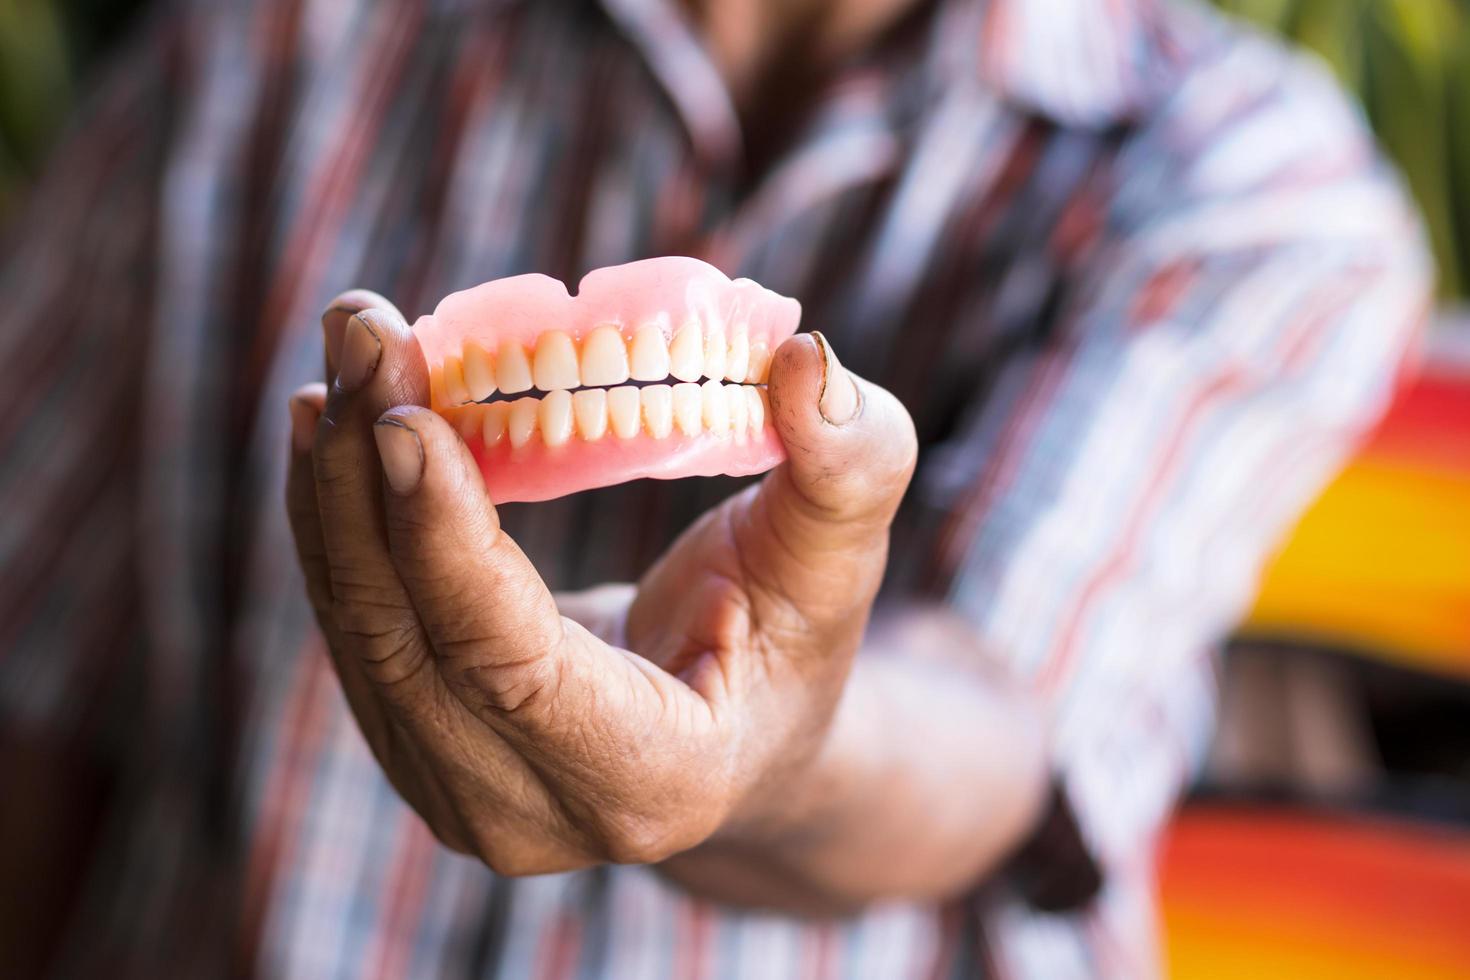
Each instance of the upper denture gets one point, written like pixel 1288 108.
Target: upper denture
pixel 663 357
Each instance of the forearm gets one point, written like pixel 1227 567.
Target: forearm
pixel 929 777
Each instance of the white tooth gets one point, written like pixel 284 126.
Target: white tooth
pixel 738 362
pixel 512 369
pixel 658 410
pixel 604 357
pixel 555 418
pixel 622 410
pixel 590 408
pixel 686 353
pixel 688 408
pixel 650 360
pixel 765 400
pixel 714 353
pixel 492 429
pixel 479 376
pixel 716 408
pixel 522 422
pixel 739 411
pixel 436 389
pixel 555 366
pixel 466 420
pixel 455 393
pixel 756 409
pixel 760 364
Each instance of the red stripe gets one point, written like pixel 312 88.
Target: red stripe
pixel 332 188
pixel 397 928
pixel 1229 381
pixel 692 945
pixel 561 946
pixel 292 771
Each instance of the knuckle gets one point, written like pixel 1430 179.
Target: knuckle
pixel 517 688
pixel 387 643
pixel 644 838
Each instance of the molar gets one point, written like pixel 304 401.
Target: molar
pixel 512 369
pixel 590 408
pixel 716 407
pixel 522 421
pixel 479 376
pixel 455 393
pixel 622 410
pixel 759 368
pixel 555 366
pixel 688 408
pixel 686 353
pixel 493 425
pixel 555 418
pixel 737 363
pixel 466 421
pixel 650 359
pixel 604 357
pixel 756 407
pixel 714 353
pixel 658 410
pixel 739 411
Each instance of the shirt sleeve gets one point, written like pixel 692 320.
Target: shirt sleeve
pixel 1236 324
pixel 76 261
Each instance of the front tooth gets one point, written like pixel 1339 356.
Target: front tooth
pixel 555 367
pixel 760 364
pixel 716 407
pixel 436 388
pixel 522 420
pixel 604 357
pixel 658 410
pixel 688 408
pixel 650 360
pixel 738 362
pixel 590 408
pixel 739 411
pixel 492 428
pixel 714 353
pixel 756 409
pixel 622 410
pixel 555 418
pixel 686 353
pixel 512 369
pixel 455 393
pixel 479 376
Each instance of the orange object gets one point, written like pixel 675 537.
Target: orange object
pixel 1253 892
pixel 1381 562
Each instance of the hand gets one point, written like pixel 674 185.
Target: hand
pixel 517 734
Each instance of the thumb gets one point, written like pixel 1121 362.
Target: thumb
pixel 851 451
pixel 488 615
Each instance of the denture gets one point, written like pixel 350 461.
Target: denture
pixel 653 369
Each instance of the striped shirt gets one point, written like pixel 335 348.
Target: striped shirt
pixel 1138 275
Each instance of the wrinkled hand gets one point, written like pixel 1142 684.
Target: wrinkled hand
pixel 517 734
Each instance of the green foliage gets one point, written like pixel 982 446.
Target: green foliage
pixel 1408 61
pixel 35 85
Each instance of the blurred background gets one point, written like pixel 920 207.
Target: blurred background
pixel 1330 833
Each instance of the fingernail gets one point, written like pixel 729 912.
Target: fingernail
pixel 334 326
pixel 303 424
pixel 838 401
pixel 402 454
pixel 360 352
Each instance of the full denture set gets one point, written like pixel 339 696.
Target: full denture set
pixel 655 368
pixel 587 395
